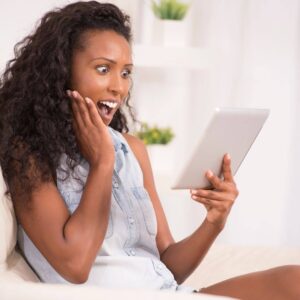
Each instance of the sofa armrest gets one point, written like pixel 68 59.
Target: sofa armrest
pixel 16 269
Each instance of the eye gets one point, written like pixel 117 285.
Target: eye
pixel 126 73
pixel 102 69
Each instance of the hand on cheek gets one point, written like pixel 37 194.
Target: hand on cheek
pixel 93 138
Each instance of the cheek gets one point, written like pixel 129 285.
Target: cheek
pixel 128 84
pixel 89 84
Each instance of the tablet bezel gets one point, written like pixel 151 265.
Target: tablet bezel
pixel 230 130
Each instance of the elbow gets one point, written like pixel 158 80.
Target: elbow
pixel 182 276
pixel 77 277
pixel 179 280
pixel 76 272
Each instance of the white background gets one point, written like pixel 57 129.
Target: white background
pixel 255 54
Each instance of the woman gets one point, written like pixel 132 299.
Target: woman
pixel 82 187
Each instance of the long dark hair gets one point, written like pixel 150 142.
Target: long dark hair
pixel 35 112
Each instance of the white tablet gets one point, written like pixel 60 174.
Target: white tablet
pixel 231 130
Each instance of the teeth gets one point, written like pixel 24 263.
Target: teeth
pixel 110 104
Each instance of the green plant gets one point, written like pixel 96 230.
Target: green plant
pixel 169 9
pixel 154 135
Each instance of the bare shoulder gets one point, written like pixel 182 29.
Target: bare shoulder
pixel 133 140
pixel 137 146
pixel 140 152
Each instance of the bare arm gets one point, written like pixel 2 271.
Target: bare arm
pixel 183 257
pixel 70 242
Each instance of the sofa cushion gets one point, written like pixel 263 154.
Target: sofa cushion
pixel 226 261
pixel 38 291
pixel 7 225
pixel 12 265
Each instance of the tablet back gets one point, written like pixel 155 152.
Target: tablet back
pixel 231 130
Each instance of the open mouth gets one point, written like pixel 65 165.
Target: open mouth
pixel 106 108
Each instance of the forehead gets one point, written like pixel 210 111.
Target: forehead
pixel 106 43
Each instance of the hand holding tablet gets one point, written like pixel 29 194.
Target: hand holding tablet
pixel 232 131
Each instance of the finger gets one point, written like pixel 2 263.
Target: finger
pixel 214 180
pixel 205 201
pixel 94 114
pixel 82 108
pixel 214 195
pixel 227 168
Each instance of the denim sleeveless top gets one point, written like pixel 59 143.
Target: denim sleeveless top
pixel 128 257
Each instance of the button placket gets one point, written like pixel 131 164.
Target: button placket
pixel 132 236
pixel 131 221
pixel 132 252
pixel 115 184
pixel 133 230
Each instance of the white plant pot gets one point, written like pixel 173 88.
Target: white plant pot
pixel 171 33
pixel 160 158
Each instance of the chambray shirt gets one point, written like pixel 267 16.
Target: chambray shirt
pixel 128 257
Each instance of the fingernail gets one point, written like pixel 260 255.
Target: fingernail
pixel 88 100
pixel 193 192
pixel 74 93
pixel 209 173
pixel 69 92
pixel 228 156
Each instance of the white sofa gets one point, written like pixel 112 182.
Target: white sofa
pixel 17 280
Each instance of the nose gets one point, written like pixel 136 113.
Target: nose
pixel 117 85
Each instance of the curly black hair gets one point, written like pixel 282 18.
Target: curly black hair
pixel 36 115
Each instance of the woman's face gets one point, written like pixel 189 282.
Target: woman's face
pixel 101 71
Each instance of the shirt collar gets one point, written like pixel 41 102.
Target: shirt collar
pixel 118 140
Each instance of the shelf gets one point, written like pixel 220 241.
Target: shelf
pixel 150 56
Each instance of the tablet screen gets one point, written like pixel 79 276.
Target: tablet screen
pixel 230 130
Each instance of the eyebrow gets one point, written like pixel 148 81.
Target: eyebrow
pixel 110 60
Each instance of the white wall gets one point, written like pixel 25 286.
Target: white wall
pixel 18 18
pixel 268 78
pixel 256 64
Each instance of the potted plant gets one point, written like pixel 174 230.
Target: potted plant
pixel 170 26
pixel 155 135
pixel 156 138
pixel 169 9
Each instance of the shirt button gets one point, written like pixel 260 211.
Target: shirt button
pixel 115 184
pixel 132 252
pixel 131 220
